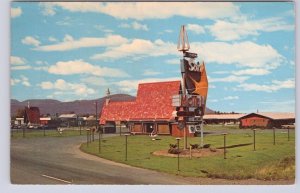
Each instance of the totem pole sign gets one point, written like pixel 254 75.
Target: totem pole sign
pixel 192 100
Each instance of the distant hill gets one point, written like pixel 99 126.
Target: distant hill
pixel 78 106
pixel 50 106
pixel 209 111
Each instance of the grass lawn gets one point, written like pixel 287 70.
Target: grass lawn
pixel 29 133
pixel 269 162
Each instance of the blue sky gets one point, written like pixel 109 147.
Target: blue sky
pixel 71 51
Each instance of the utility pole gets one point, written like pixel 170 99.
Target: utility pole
pixel 96 119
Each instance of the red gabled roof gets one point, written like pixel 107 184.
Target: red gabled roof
pixel 116 111
pixel 154 101
pixel 272 115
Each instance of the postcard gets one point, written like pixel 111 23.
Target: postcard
pixel 152 93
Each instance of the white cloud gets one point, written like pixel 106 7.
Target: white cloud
pixel 52 39
pixel 15 60
pixel 138 26
pixel 231 78
pixel 25 81
pixel 277 106
pixel 18 63
pixel 124 25
pixel 274 86
pixel 221 72
pixel 213 100
pixel 131 85
pixel 173 61
pixel 228 31
pixel 103 29
pixel 70 44
pixel 47 8
pixel 149 72
pixel 252 71
pixel 21 80
pixel 82 67
pixel 231 98
pixel 15 12
pixel 46 85
pixel 66 21
pixel 14 81
pixel 243 54
pixel 62 87
pixel 138 48
pixel 43 68
pixel 197 29
pixel 22 67
pixel 153 10
pixel 134 25
pixel 29 40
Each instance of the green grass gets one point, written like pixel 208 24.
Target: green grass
pixel 30 133
pixel 241 163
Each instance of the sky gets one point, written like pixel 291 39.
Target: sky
pixel 73 51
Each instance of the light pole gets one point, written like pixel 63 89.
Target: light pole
pixel 254 139
pixel 126 135
pixel 96 119
pixel 273 135
pixel 178 139
pixel 99 140
pixel 44 130
pixel 288 128
pixel 224 145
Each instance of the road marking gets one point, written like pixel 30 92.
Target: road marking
pixel 65 181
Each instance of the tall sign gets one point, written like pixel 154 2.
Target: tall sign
pixel 194 86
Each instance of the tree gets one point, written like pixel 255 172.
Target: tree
pixel 20 113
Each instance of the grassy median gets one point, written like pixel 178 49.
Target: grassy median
pixel 268 162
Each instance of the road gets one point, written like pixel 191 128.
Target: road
pixel 55 160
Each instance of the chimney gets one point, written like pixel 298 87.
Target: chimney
pixel 107 96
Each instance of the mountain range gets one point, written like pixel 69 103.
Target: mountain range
pixel 80 107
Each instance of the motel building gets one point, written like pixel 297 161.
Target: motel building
pixel 267 120
pixel 150 113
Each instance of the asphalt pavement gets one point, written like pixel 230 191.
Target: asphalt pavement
pixel 55 160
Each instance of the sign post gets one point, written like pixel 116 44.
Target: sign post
pixel 225 145
pixel 288 128
pixel 126 135
pixel 87 137
pixel 273 135
pixel 99 141
pixel 178 139
pixel 80 129
pixel 254 139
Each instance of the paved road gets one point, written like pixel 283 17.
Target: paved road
pixel 54 160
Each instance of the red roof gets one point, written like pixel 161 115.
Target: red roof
pixel 154 101
pixel 273 115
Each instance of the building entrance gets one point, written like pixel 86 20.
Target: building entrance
pixel 148 127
